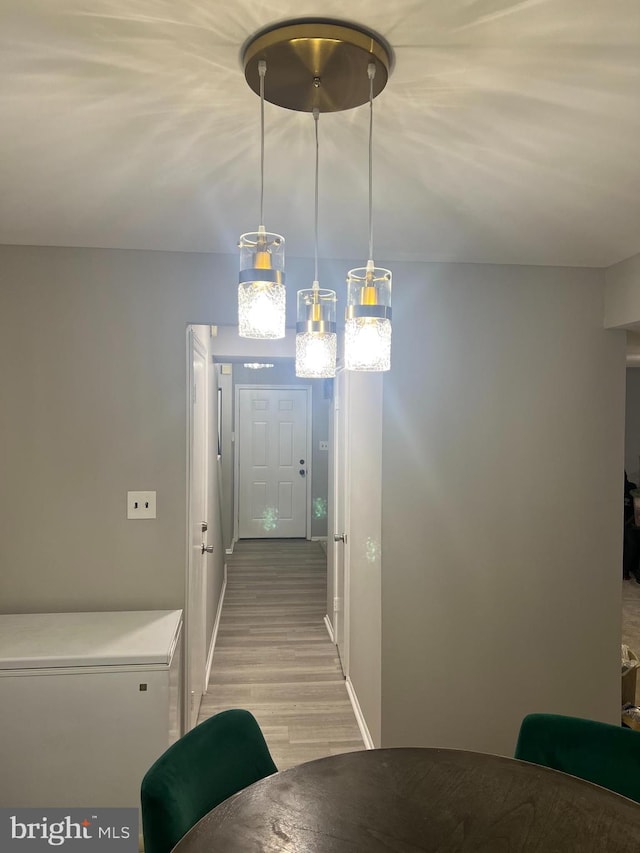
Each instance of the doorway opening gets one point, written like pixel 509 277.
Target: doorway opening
pixel 274 450
pixel 273 447
pixel 214 435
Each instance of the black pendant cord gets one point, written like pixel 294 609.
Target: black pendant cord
pixel 262 70
pixel 316 115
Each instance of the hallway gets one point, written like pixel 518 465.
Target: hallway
pixel 273 655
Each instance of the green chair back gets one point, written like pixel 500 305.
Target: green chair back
pixel 602 753
pixel 216 759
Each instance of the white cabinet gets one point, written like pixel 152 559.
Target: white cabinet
pixel 88 701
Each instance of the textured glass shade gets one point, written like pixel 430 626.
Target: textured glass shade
pixel 316 355
pixel 261 291
pixel 367 344
pixel 316 339
pixel 261 310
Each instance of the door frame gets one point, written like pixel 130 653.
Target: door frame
pixel 193 344
pixel 340 498
pixel 236 449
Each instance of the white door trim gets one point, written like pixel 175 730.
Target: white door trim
pixel 360 720
pixel 236 460
pixel 193 343
pixel 214 633
pixel 341 497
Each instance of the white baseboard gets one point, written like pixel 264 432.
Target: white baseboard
pixel 230 550
pixel 214 633
pixel 357 710
pixel 329 626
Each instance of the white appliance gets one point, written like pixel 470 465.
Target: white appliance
pixel 88 701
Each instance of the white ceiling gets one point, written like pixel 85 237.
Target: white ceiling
pixel 508 131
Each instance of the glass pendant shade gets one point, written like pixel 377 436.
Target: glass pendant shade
pixel 261 290
pixel 316 338
pixel 368 319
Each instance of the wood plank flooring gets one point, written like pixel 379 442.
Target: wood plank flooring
pixel 273 655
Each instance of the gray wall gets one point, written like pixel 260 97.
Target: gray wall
pixel 501 532
pixel 93 379
pixel 365 555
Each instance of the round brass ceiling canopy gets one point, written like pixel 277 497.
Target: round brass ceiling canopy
pixel 317 63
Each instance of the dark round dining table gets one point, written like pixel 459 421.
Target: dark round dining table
pixel 407 800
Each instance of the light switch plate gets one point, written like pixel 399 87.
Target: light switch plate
pixel 141 504
pixel 324 445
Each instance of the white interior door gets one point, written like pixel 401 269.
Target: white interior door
pixel 195 609
pixel 273 462
pixel 340 536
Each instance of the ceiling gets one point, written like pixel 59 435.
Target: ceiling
pixel 508 132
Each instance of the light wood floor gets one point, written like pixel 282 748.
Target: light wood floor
pixel 273 655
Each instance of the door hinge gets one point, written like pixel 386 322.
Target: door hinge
pixel 336 605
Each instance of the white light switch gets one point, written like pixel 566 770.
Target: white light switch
pixel 324 445
pixel 141 504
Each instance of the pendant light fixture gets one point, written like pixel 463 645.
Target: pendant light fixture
pixel 316 65
pixel 367 343
pixel 261 290
pixel 316 338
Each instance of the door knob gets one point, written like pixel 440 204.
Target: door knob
pixel 207 548
pixel 340 537
pixel 302 472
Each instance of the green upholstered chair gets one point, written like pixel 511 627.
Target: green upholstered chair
pixel 216 759
pixel 602 753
